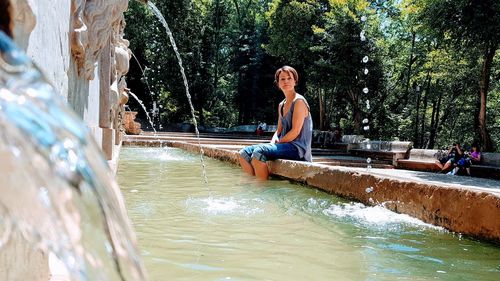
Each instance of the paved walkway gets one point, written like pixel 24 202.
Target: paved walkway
pixel 489 185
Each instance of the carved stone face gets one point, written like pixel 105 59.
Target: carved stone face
pixel 91 23
pixel 79 33
pixel 23 22
pixel 122 58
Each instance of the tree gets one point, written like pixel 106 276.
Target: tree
pixel 446 47
pixel 475 24
pixel 346 58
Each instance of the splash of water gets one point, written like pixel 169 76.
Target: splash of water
pixel 150 93
pixel 374 216
pixel 143 71
pixel 145 110
pixel 366 126
pixel 143 74
pixel 145 79
pixel 159 15
pixel 57 190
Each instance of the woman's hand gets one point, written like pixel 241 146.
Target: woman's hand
pixel 275 138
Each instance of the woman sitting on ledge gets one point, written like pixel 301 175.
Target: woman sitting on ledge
pixel 292 139
pixel 450 160
pixel 474 157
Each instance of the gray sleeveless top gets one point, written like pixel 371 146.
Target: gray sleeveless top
pixel 303 140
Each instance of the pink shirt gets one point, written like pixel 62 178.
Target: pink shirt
pixel 475 155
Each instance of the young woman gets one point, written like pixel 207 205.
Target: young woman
pixel 474 157
pixel 450 160
pixel 292 139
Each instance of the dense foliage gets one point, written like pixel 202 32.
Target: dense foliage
pixel 421 70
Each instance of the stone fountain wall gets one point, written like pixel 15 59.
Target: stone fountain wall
pixel 79 46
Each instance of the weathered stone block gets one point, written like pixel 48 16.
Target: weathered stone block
pixel 108 137
pixel 131 127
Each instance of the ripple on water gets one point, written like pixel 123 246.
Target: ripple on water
pixel 201 267
pixel 225 206
pixel 164 154
pixel 373 216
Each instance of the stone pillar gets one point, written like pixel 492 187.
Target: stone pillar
pixel 104 102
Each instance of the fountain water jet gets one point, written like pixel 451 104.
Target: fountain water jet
pixel 159 15
pixel 59 197
pixel 145 110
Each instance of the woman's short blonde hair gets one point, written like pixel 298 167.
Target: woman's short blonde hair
pixel 289 70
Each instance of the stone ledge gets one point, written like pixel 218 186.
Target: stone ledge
pixel 418 165
pixel 429 165
pixel 393 156
pixel 471 211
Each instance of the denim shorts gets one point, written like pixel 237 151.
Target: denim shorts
pixel 267 151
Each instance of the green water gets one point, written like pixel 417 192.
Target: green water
pixel 235 228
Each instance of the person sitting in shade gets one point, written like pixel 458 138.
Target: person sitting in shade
pixel 261 128
pixel 471 158
pixel 454 154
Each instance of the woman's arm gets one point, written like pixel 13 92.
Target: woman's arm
pixel 300 112
pixel 275 138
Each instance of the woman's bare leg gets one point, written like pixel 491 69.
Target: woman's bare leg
pixel 446 166
pixel 246 166
pixel 439 164
pixel 260 168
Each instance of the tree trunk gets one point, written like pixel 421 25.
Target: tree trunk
pixel 356 110
pixel 217 44
pixel 432 134
pixel 357 120
pixel 424 111
pixel 331 110
pixel 410 63
pixel 484 83
pixel 415 132
pixel 321 96
pixel 435 120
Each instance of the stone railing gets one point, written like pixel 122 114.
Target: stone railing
pixel 330 139
pixel 384 150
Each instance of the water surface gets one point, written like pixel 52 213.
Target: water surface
pixel 235 228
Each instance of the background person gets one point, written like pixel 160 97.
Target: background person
pixel 454 154
pixel 471 158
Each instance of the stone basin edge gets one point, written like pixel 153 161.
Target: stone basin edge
pixel 467 211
